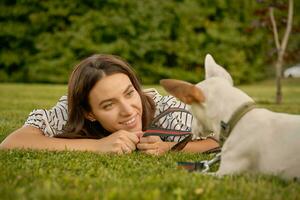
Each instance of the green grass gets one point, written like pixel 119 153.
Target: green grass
pixel 86 175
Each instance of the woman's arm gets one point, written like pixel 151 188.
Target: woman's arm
pixel 29 137
pixel 154 145
pixel 200 146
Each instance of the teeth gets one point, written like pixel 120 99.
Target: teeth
pixel 130 121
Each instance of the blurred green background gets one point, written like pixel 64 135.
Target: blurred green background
pixel 42 40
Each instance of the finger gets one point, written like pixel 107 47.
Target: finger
pixel 119 151
pixel 128 143
pixel 131 146
pixel 146 146
pixel 149 139
pixel 133 137
pixel 130 140
pixel 125 149
pixel 151 152
pixel 139 134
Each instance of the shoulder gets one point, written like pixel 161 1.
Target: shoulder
pixel 170 114
pixel 51 122
pixel 163 102
pixel 153 93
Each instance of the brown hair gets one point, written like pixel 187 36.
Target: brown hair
pixel 83 78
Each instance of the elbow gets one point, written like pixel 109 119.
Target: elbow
pixel 16 139
pixel 8 143
pixel 5 145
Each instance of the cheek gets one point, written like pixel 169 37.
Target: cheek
pixel 107 120
pixel 139 103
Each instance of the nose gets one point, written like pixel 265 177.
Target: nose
pixel 126 108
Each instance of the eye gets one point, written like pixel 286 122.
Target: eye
pixel 130 93
pixel 108 106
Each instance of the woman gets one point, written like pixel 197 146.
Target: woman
pixel 106 111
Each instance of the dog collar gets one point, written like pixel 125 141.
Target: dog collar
pixel 226 128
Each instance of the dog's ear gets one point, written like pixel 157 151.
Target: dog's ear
pixel 184 91
pixel 212 69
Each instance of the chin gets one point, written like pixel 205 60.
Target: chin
pixel 136 128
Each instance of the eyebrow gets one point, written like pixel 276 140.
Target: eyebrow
pixel 125 91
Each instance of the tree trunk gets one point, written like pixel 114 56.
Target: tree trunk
pixel 278 65
pixel 281 47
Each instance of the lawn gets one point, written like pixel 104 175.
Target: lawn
pixel 86 175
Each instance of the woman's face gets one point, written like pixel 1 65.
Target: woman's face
pixel 115 104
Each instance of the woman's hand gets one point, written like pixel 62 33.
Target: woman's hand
pixel 120 142
pixel 154 145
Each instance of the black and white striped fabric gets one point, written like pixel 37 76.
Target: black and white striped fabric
pixel 52 121
pixel 179 121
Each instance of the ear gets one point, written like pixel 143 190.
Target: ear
pixel 212 69
pixel 184 91
pixel 90 116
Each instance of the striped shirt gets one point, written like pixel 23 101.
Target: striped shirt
pixel 51 122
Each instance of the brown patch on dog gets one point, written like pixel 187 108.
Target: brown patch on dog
pixel 184 91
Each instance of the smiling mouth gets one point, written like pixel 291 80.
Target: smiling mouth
pixel 131 122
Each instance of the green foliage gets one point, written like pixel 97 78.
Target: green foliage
pixel 41 41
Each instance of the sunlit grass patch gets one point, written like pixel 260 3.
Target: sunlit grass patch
pixel 85 175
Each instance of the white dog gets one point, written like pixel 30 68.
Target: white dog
pixel 260 141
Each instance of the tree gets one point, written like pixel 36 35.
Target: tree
pixel 281 47
pixel 279 26
pixel 41 41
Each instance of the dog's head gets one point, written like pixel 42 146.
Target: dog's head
pixel 211 100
